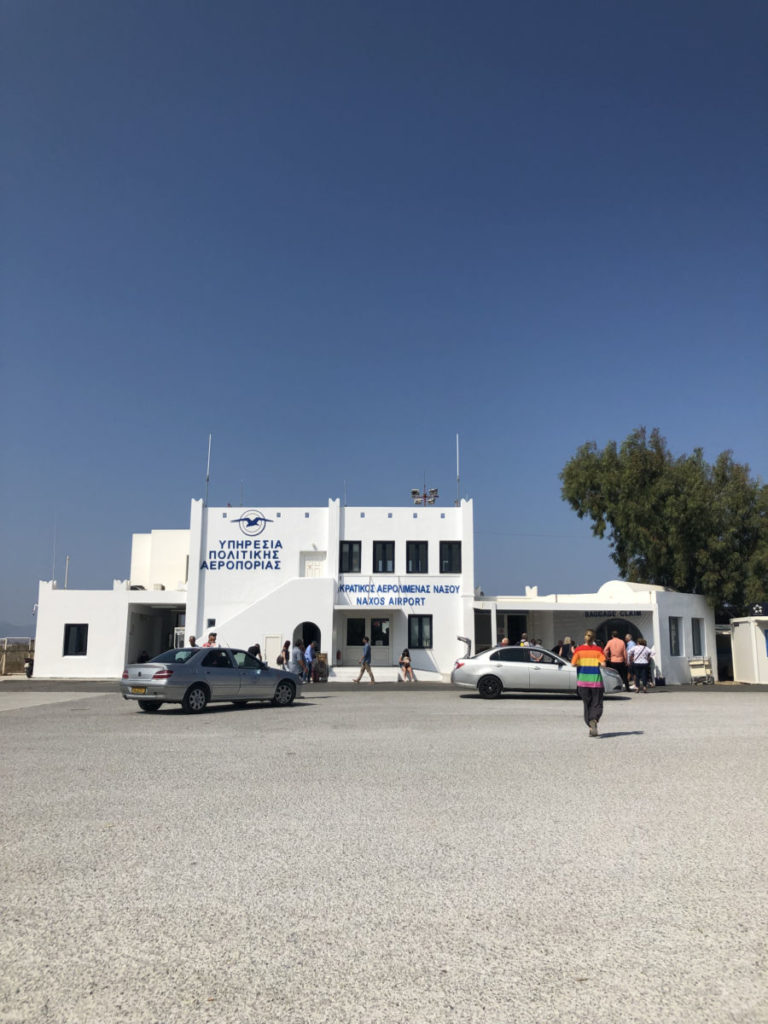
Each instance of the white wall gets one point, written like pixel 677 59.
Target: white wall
pixel 105 612
pixel 159 559
pixel 749 644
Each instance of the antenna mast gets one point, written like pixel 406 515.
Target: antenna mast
pixel 208 470
pixel 458 487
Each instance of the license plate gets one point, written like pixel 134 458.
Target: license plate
pixel 138 689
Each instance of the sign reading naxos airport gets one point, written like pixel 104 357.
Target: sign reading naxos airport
pixel 395 594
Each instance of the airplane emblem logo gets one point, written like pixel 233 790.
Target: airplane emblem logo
pixel 252 522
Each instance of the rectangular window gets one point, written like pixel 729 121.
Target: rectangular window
pixel 349 556
pixel 383 556
pixel 450 556
pixel 697 633
pixel 355 632
pixel 674 636
pixel 416 556
pixel 76 639
pixel 419 631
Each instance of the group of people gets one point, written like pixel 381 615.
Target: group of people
pixel 301 659
pixel 523 642
pixel 630 658
pixel 212 641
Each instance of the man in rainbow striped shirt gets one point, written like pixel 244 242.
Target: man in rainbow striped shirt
pixel 588 657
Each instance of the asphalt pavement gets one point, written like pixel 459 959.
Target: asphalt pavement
pixel 388 856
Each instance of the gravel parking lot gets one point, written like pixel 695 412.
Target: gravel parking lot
pixel 381 857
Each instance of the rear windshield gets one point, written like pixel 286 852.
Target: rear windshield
pixel 176 657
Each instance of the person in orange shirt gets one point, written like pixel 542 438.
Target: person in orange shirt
pixel 616 656
pixel 588 657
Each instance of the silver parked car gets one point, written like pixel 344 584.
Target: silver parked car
pixel 196 676
pixel 522 668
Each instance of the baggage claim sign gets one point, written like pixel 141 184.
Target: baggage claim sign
pixel 251 553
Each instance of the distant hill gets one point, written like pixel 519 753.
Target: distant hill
pixel 9 629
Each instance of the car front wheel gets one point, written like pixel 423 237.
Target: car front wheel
pixel 489 687
pixel 284 694
pixel 150 705
pixel 195 699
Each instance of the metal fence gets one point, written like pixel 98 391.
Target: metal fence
pixel 14 650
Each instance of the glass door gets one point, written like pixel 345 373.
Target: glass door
pixel 380 642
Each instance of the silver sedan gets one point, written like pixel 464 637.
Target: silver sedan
pixel 196 676
pixel 522 668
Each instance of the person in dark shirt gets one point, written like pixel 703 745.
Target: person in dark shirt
pixel 365 661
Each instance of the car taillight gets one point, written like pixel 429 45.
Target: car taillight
pixel 458 664
pixel 125 674
pixel 164 673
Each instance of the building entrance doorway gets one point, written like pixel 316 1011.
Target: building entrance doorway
pixel 512 626
pixel 621 626
pixel 377 629
pixel 307 632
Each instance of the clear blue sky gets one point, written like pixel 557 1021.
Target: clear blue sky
pixel 337 234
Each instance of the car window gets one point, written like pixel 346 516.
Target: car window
pixel 217 659
pixel 175 657
pixel 543 657
pixel 245 660
pixel 511 654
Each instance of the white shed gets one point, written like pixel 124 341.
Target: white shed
pixel 749 643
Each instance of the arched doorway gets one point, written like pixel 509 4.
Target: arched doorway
pixel 621 626
pixel 307 632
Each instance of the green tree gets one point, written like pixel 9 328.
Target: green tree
pixel 675 522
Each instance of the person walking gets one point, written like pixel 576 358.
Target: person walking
pixel 302 660
pixel 365 661
pixel 588 657
pixel 284 656
pixel 616 656
pixel 629 642
pixel 641 661
pixel 309 658
pixel 294 659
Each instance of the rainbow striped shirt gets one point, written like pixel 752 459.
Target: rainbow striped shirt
pixel 588 658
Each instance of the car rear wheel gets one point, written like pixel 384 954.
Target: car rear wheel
pixel 489 687
pixel 150 705
pixel 284 694
pixel 195 699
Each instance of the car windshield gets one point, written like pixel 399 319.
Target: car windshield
pixel 175 657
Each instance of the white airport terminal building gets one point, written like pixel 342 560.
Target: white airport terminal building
pixel 402 576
